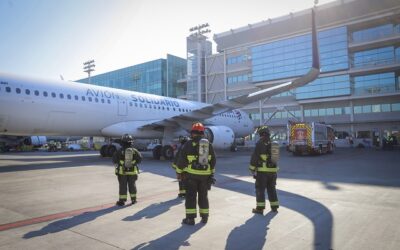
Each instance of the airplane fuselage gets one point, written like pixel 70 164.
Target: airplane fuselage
pixel 41 107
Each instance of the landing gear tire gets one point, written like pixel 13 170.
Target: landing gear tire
pixel 103 151
pixel 168 152
pixel 157 152
pixel 111 150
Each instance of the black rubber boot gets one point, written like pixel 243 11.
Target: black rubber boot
pixel 257 211
pixel 133 202
pixel 204 219
pixel 274 209
pixel 188 221
pixel 120 203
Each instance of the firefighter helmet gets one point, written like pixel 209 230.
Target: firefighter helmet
pixel 198 128
pixel 127 138
pixel 263 130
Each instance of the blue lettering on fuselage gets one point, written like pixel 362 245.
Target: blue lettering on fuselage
pixel 102 94
pixel 134 98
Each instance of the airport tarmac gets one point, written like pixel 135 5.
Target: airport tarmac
pixel 65 200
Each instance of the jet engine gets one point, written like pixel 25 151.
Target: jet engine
pixel 222 137
pixel 35 140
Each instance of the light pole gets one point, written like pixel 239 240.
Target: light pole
pixel 88 67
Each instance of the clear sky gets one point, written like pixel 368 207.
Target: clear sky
pixel 49 38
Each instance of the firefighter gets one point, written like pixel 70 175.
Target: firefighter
pixel 264 171
pixel 126 169
pixel 196 163
pixel 181 183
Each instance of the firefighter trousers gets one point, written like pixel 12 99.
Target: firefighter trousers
pixel 127 182
pixel 182 189
pixel 196 185
pixel 266 181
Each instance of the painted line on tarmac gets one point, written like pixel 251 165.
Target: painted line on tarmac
pixel 66 214
pixel 63 215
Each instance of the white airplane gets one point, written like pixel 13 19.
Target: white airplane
pixel 42 107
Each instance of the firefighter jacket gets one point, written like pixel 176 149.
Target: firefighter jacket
pixel 188 160
pixel 175 162
pixel 261 158
pixel 130 168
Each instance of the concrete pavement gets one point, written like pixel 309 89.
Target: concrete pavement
pixel 347 200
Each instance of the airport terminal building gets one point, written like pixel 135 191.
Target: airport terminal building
pixel 358 90
pixel 159 77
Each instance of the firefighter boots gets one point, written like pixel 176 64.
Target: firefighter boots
pixel 257 211
pixel 188 221
pixel 120 203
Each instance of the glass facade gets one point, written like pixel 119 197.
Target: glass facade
pixel 149 77
pixel 374 84
pixel 375 33
pixel 325 87
pixel 374 57
pixel 292 57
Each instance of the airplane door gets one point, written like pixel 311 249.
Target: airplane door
pixel 122 107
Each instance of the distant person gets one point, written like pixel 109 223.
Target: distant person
pixel 351 142
pixel 127 159
pixel 197 163
pixel 181 181
pixel 264 172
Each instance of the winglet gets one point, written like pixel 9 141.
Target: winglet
pixel 315 54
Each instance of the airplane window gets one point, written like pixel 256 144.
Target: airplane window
pixel 76 97
pixel 53 94
pixel 69 96
pixel 179 110
pixel 36 92
pixel 8 89
pixel 145 105
pixel 27 91
pixel 159 107
pixel 174 109
pixel 141 105
pixel 167 108
pixel 18 90
pixel 108 101
pixel 163 108
pixel 90 99
pixel 61 96
pixel 130 104
pixel 45 93
pixel 83 98
pixel 96 99
pixel 135 104
pixel 102 100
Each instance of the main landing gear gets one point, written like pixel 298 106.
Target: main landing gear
pixel 107 150
pixel 167 151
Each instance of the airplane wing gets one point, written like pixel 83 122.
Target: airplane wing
pixel 214 109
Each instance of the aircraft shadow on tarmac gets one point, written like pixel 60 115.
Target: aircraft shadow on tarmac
pixel 172 240
pixel 154 210
pixel 252 234
pixel 64 224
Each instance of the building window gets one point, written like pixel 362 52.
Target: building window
pixel 324 87
pixel 374 84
